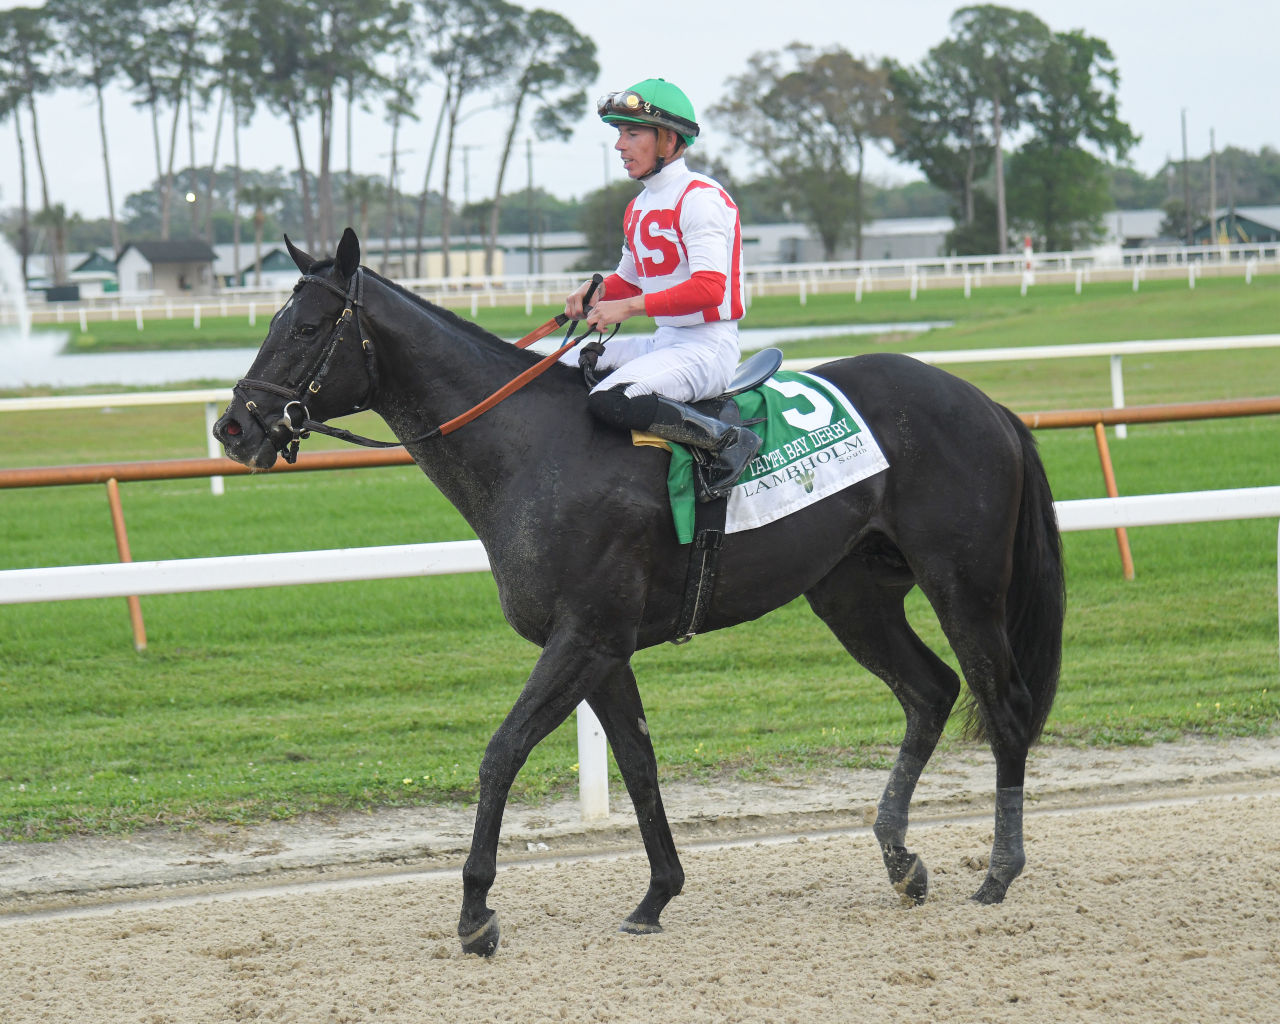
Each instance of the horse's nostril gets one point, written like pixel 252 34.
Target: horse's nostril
pixel 233 429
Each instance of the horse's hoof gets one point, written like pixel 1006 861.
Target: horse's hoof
pixel 640 927
pixel 914 885
pixel 484 940
pixel 992 891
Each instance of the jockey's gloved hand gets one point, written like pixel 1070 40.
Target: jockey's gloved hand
pixel 590 354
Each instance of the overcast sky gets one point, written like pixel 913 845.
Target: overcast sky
pixel 1216 60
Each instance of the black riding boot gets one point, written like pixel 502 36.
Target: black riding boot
pixel 731 447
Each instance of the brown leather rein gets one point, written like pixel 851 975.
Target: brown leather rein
pixel 536 370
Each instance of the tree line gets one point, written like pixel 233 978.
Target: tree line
pixel 1015 127
pixel 181 60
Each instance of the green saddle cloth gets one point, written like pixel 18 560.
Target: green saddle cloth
pixel 814 443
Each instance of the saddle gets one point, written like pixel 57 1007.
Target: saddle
pixel 751 373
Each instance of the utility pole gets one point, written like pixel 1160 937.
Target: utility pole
pixel 1186 181
pixel 528 157
pixel 1213 190
pixel 466 201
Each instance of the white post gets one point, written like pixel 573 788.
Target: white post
pixel 1248 270
pixel 1136 271
pixel 804 298
pixel 1079 280
pixel 137 316
pixel 84 321
pixel 195 315
pixel 967 283
pixel 593 765
pixel 252 316
pixel 1117 394
pixel 857 289
pixel 1191 275
pixel 915 284
pixel 475 305
pixel 215 450
pixel 528 303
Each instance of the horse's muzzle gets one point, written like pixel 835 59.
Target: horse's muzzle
pixel 244 441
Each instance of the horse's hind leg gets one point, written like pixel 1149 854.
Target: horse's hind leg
pixel 972 614
pixel 617 704
pixel 862 603
pixel 1004 708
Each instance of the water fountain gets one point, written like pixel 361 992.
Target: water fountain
pixel 13 293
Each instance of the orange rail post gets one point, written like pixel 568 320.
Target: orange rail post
pixel 1109 477
pixel 122 546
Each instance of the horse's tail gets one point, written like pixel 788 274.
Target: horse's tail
pixel 1036 603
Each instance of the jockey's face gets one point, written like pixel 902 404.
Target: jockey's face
pixel 638 145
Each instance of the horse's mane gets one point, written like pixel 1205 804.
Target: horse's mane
pixel 448 316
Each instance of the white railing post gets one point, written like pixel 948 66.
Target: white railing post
pixel 214 449
pixel 1117 392
pixel 593 765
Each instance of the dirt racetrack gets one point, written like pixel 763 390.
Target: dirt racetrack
pixel 1152 894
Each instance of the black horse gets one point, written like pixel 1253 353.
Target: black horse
pixel 579 534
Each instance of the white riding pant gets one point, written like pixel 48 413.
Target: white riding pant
pixel 688 364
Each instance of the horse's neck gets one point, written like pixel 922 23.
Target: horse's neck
pixel 432 370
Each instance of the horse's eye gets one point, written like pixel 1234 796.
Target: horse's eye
pixel 307 330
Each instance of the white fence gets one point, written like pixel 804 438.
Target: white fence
pixel 214 398
pixel 1084 266
pixel 63 583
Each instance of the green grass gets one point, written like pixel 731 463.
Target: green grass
pixel 269 703
pixel 992 316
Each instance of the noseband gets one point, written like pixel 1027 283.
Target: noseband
pixel 295 422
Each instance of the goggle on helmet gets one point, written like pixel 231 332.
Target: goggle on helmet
pixel 632 107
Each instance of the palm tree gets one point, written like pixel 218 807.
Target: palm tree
pixel 261 198
pixel 56 220
pixel 93 37
pixel 559 61
pixel 474 43
pixel 25 44
pixel 360 192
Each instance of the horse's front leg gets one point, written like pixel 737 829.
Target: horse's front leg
pixel 568 668
pixel 618 706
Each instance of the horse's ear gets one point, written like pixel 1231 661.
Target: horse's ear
pixel 348 255
pixel 302 259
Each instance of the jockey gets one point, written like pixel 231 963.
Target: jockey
pixel 681 265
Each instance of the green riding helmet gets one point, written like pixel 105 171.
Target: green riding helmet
pixel 655 101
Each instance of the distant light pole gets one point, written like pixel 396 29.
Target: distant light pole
pixel 466 201
pixel 1186 179
pixel 528 157
pixel 1213 191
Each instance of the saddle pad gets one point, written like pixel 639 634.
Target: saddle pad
pixel 815 444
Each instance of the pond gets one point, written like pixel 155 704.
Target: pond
pixel 38 360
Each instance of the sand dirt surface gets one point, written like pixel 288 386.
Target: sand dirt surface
pixel 1151 894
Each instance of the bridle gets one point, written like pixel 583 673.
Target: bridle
pixel 287 432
